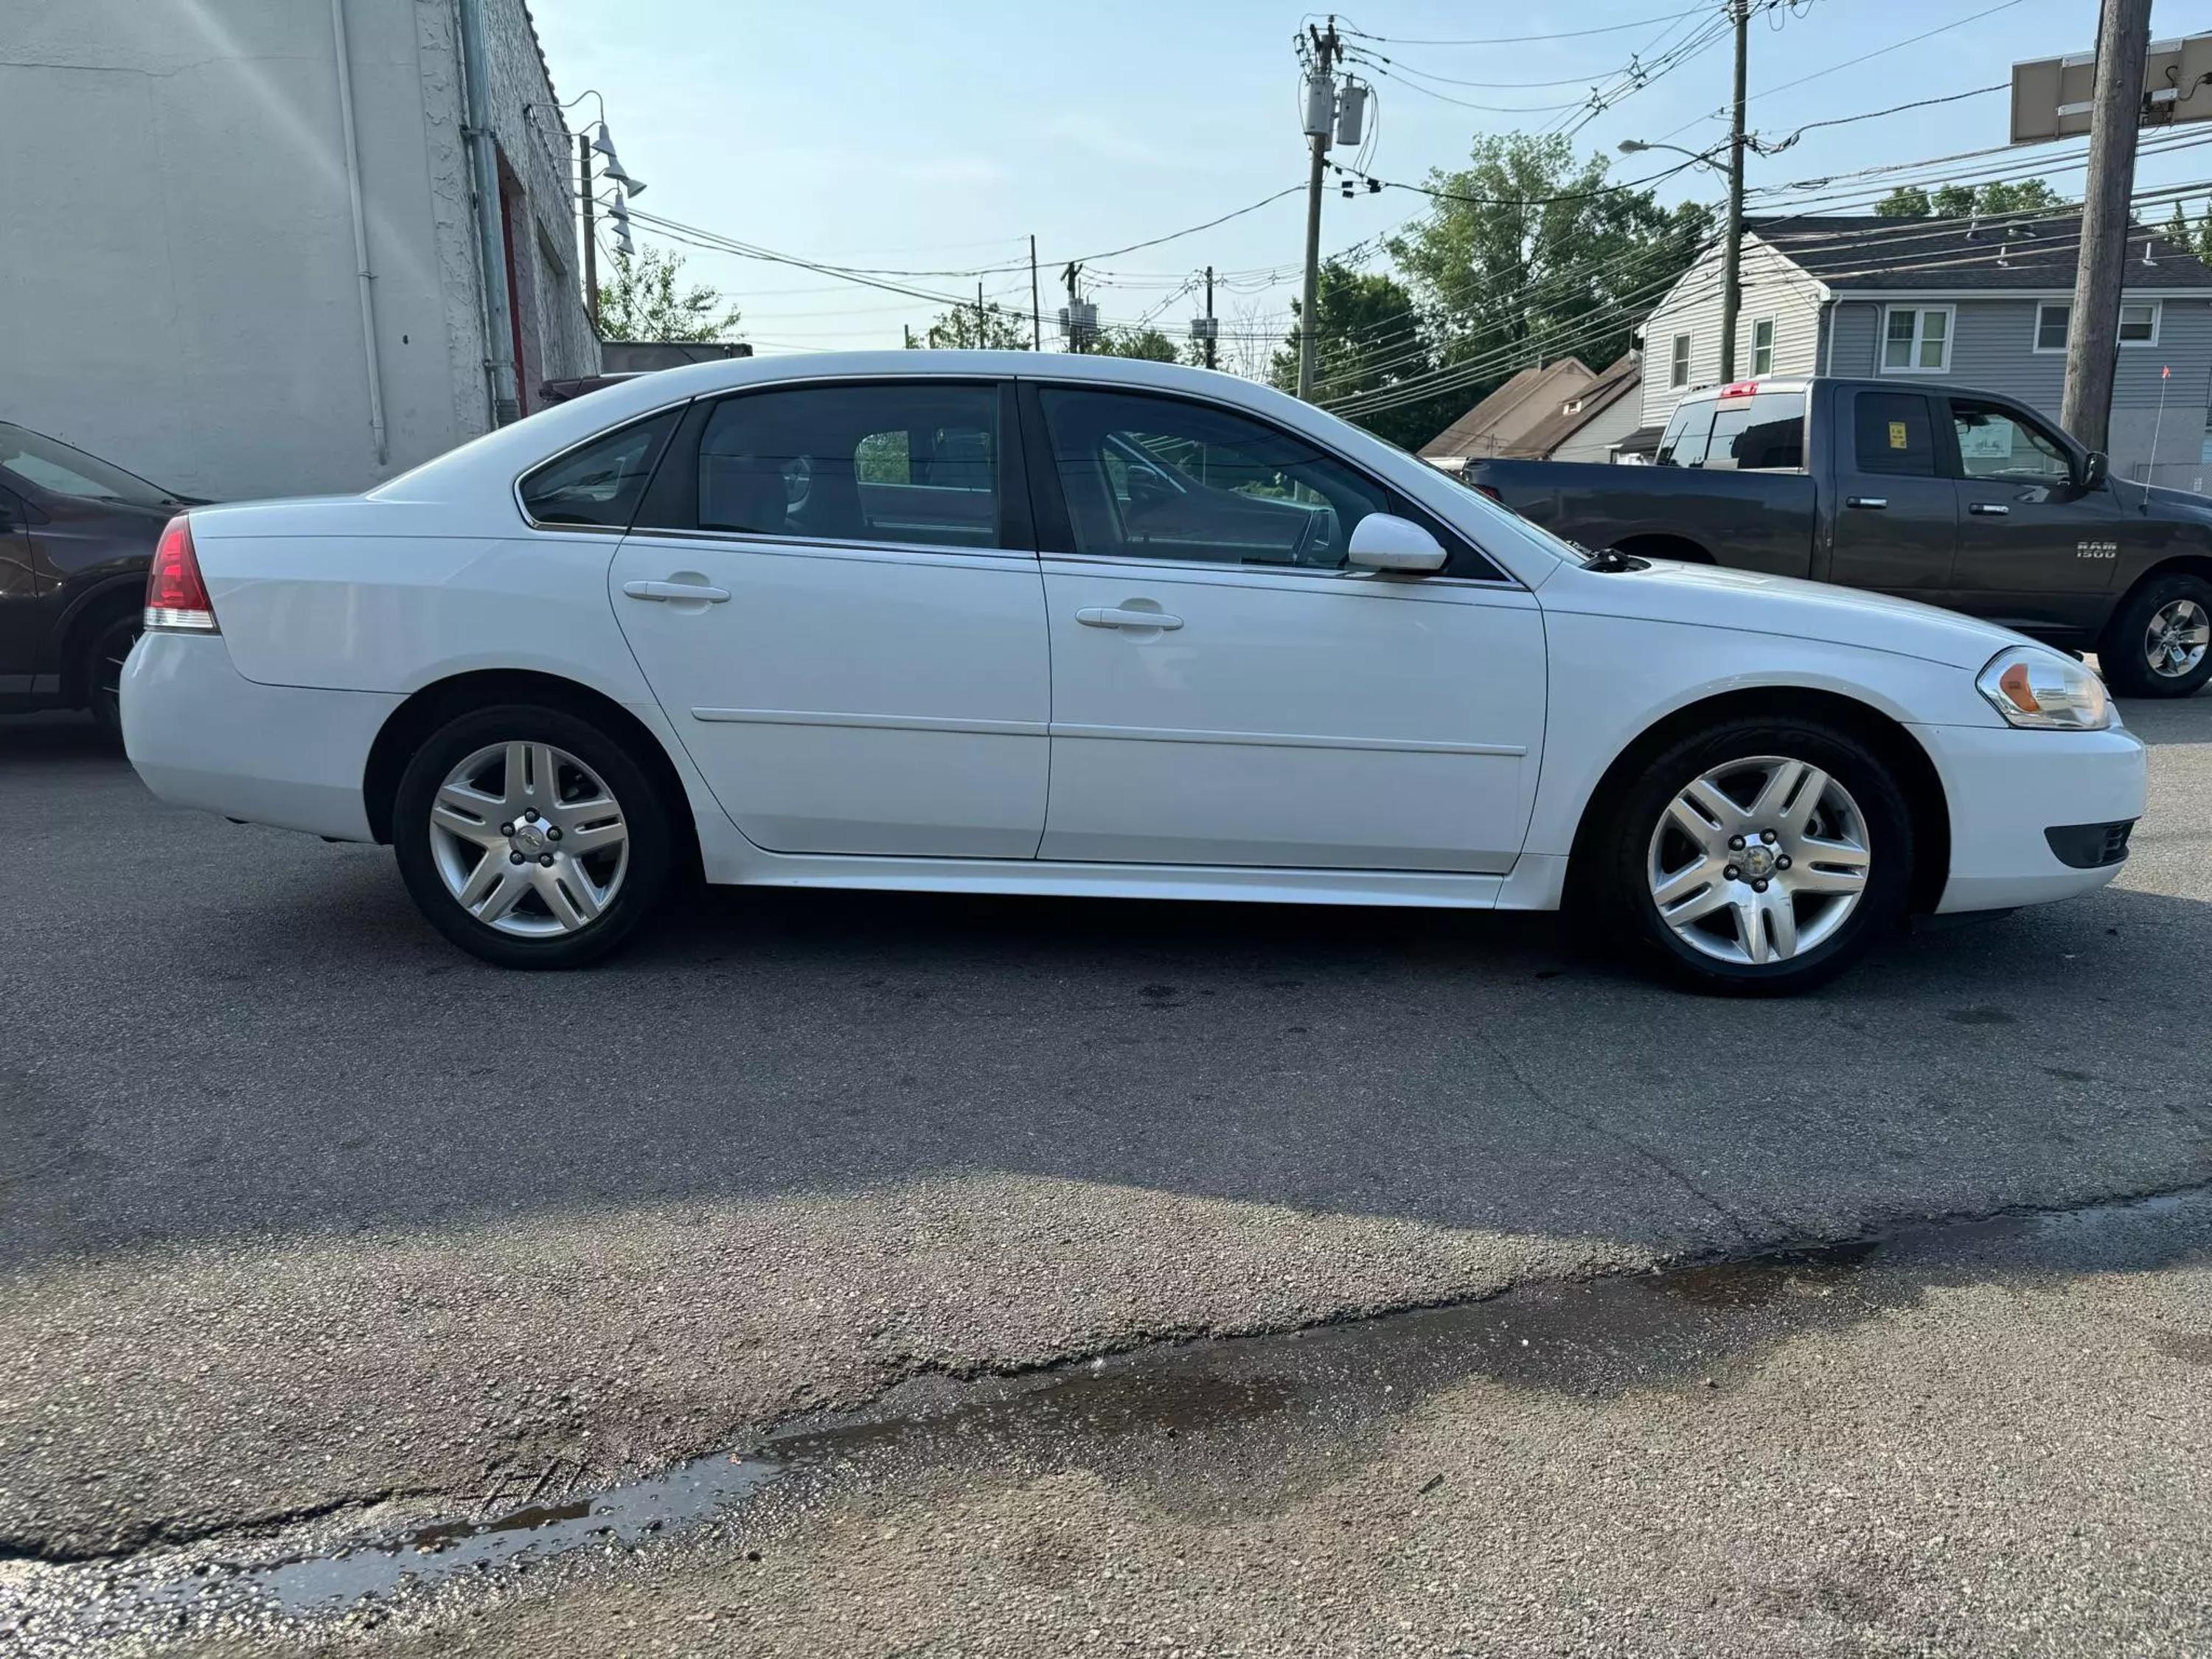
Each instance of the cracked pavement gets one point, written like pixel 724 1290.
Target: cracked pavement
pixel 303 1214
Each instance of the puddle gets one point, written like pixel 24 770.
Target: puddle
pixel 1689 1328
pixel 687 1493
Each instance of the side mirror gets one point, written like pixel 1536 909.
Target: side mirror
pixel 1382 541
pixel 2092 473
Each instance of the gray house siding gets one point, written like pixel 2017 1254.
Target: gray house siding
pixel 1992 349
pixel 1595 441
pixel 1772 288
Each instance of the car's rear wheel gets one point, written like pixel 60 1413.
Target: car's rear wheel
pixel 1759 857
pixel 529 837
pixel 2159 643
pixel 100 668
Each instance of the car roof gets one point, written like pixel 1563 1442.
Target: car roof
pixel 557 426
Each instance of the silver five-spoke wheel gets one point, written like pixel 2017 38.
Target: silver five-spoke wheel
pixel 528 839
pixel 1758 860
pixel 2176 640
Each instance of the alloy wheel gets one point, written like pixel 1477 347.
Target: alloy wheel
pixel 529 840
pixel 2175 641
pixel 1759 860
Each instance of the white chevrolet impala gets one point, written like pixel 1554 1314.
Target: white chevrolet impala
pixel 998 622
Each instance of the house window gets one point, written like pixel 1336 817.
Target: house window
pixel 1916 339
pixel 1762 347
pixel 1678 369
pixel 2139 320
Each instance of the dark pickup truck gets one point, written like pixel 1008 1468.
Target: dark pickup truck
pixel 1962 498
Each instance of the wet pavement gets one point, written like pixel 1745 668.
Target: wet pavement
pixel 1284 1435
pixel 325 1254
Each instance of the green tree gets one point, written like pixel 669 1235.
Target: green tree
pixel 1965 201
pixel 640 300
pixel 1148 343
pixel 1369 335
pixel 1528 253
pixel 964 328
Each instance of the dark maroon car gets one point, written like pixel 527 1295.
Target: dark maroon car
pixel 76 534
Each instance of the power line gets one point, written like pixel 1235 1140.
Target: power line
pixel 1520 39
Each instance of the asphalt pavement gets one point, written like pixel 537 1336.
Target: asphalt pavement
pixel 311 1229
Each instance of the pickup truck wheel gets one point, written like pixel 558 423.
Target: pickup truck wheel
pixel 529 837
pixel 1759 857
pixel 2159 643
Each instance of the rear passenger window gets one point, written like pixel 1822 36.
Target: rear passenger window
pixel 600 482
pixel 895 463
pixel 1891 433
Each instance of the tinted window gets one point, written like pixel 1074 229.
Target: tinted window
pixel 1995 444
pixel 1687 436
pixel 45 464
pixel 1890 433
pixel 893 463
pixel 1765 432
pixel 1160 479
pixel 599 484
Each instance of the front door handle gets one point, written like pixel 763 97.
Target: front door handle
pixel 695 593
pixel 1989 509
pixel 1104 615
pixel 1866 501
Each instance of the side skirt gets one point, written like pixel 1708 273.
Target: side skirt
pixel 1535 882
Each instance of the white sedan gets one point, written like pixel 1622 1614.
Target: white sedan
pixel 998 622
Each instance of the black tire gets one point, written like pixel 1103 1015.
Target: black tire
pixel 100 668
pixel 649 856
pixel 2123 653
pixel 1626 914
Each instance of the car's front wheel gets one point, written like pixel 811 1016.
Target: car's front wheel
pixel 529 837
pixel 100 669
pixel 1761 856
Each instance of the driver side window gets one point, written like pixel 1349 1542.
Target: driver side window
pixel 1159 478
pixel 1995 446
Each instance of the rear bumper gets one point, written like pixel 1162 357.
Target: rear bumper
pixel 202 734
pixel 2007 789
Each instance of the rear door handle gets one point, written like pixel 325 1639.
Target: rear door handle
pixel 1866 501
pixel 695 593
pixel 1987 510
pixel 1101 616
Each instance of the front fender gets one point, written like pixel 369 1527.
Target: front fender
pixel 1613 678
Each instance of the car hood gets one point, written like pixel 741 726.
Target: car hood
pixel 1703 595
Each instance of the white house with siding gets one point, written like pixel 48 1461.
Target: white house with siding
pixel 1965 303
pixel 195 192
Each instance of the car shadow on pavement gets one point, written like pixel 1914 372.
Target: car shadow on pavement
pixel 222 1029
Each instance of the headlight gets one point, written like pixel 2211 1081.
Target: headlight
pixel 2034 687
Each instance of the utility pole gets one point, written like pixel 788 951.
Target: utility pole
pixel 1732 253
pixel 1320 118
pixel 1209 316
pixel 1037 310
pixel 1074 325
pixel 2093 324
pixel 980 336
pixel 591 236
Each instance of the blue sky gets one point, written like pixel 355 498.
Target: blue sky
pixel 939 137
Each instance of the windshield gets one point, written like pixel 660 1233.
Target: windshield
pixel 54 467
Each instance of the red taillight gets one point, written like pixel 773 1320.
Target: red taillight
pixel 1490 490
pixel 176 597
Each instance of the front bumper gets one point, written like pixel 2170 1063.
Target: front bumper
pixel 2006 788
pixel 202 734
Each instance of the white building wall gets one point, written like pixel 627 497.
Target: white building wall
pixel 178 277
